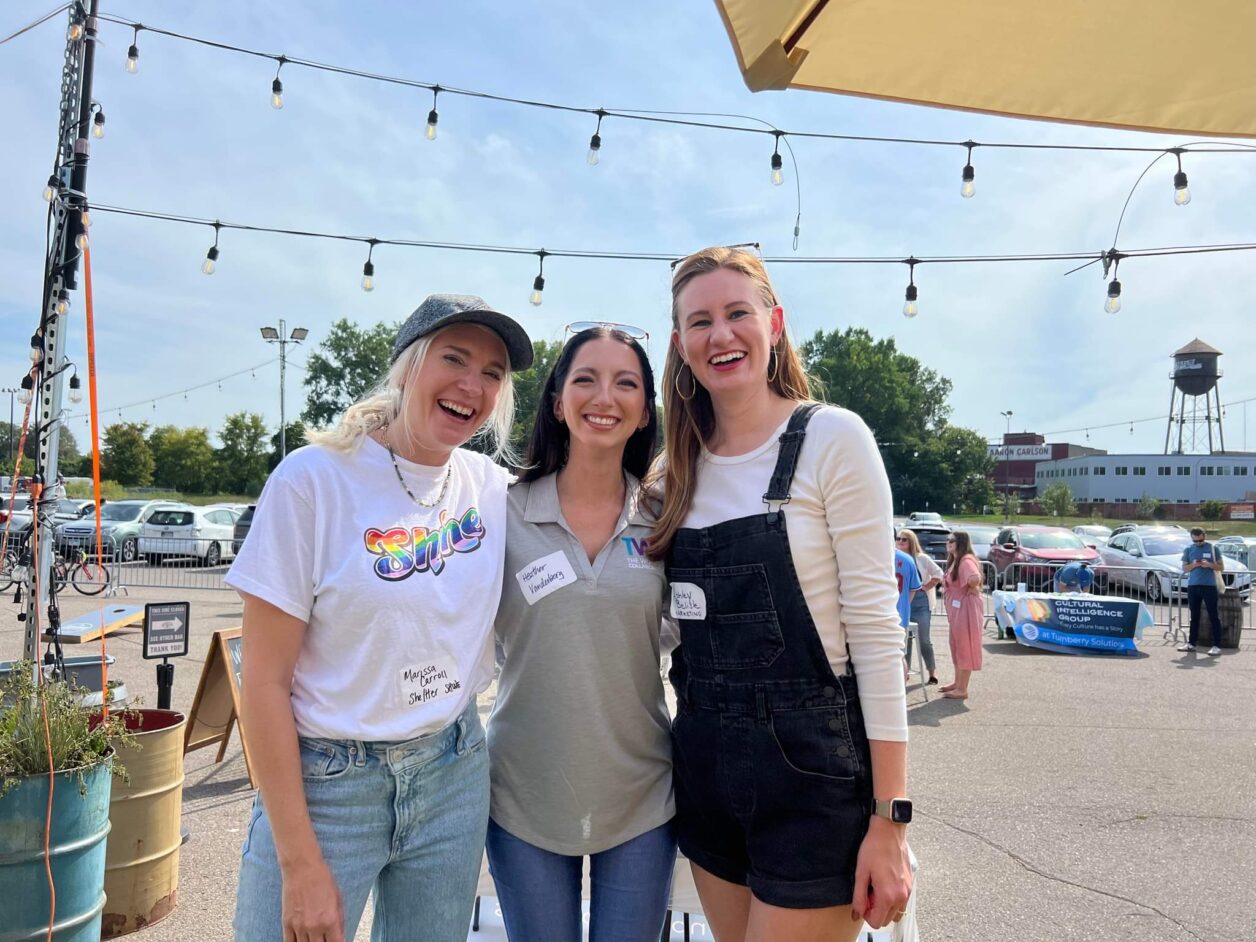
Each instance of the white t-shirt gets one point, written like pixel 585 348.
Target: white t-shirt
pixel 929 570
pixel 399 599
pixel 840 526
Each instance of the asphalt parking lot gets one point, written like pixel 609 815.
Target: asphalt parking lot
pixel 1069 798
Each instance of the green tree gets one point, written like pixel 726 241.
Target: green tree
pixel 346 365
pixel 294 439
pixel 528 386
pixel 184 459
pixel 1212 509
pixel 67 449
pixel 242 457
pixel 1148 507
pixel 126 456
pixel 1057 499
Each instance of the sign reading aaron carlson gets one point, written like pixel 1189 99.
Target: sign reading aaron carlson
pixel 1019 452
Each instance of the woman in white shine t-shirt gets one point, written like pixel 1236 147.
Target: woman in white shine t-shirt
pixel 366 639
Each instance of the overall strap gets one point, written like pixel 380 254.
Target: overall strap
pixel 787 459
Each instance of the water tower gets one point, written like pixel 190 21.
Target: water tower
pixel 1195 402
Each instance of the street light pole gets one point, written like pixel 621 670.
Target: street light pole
pixel 280 336
pixel 1007 479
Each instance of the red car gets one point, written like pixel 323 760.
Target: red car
pixel 1015 550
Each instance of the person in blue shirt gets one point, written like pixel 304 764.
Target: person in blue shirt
pixel 1075 577
pixel 1201 563
pixel 908 577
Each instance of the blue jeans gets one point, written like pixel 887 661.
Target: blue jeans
pixel 539 891
pixel 923 618
pixel 405 819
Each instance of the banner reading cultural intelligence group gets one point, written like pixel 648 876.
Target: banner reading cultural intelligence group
pixel 1073 624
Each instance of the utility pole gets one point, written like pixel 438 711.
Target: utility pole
pixel 1007 480
pixel 271 335
pixel 12 391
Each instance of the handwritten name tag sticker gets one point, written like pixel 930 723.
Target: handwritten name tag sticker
pixel 544 576
pixel 955 603
pixel 688 601
pixel 429 680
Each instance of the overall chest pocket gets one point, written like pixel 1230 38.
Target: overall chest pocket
pixel 741 630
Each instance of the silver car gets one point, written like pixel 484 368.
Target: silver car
pixel 1242 549
pixel 1093 535
pixel 1150 559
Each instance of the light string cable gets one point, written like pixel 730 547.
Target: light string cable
pixel 632 114
pixel 39 22
pixel 1132 422
pixel 178 392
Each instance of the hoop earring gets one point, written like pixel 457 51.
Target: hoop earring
pixel 773 361
pixel 694 383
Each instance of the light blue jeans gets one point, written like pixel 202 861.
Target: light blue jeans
pixel 405 819
pixel 540 891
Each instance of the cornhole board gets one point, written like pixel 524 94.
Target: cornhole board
pixel 106 621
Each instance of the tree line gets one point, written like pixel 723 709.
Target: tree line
pixel 931 464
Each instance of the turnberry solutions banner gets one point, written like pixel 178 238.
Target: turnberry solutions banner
pixel 1072 624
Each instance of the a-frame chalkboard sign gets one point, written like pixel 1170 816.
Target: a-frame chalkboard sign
pixel 216 707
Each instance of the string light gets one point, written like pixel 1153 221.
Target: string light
pixel 37 349
pixel 80 241
pixel 368 270
pixel 595 142
pixel 76 391
pixel 75 32
pixel 133 54
pixel 432 117
pixel 85 217
pixel 777 176
pixel 24 394
pixel 62 306
pixel 50 190
pixel 211 257
pixel 538 283
pixel 910 307
pixel 1181 191
pixel 968 188
pixel 1113 303
pixel 276 87
pixel 98 124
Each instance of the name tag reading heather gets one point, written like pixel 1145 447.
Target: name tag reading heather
pixel 688 601
pixel 544 576
pixel 429 680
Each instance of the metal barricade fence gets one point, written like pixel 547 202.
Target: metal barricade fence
pixel 170 563
pixel 1240 584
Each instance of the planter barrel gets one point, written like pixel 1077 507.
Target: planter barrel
pixel 80 824
pixel 142 863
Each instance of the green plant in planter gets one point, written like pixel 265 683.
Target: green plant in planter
pixel 78 737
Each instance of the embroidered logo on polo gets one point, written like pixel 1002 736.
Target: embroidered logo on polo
pixel 636 550
pixel 403 552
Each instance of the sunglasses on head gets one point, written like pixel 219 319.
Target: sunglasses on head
pixel 636 333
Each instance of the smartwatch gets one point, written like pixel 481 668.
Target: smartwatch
pixel 897 810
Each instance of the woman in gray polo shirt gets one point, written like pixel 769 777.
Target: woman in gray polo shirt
pixel 579 741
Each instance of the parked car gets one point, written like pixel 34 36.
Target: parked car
pixel 1150 559
pixel 983 537
pixel 1242 549
pixel 201 532
pixel 1093 535
pixel 932 537
pixel 242 524
pixel 1131 527
pixel 919 516
pixel 1015 547
pixel 69 508
pixel 120 522
pixel 15 516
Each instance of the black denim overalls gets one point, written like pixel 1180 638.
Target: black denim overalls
pixel 772 769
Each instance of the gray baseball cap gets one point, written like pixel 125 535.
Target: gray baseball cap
pixel 442 310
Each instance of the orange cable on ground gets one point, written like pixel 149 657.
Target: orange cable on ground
pixel 95 417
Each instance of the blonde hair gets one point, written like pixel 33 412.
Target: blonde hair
pixel 384 407
pixel 910 537
pixel 689 423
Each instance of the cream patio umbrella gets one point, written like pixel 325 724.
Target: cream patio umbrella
pixel 1147 65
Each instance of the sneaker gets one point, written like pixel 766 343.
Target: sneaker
pixel 1214 650
pixel 1186 647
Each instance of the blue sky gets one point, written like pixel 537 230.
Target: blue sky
pixel 192 133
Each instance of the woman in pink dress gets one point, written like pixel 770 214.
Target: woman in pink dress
pixel 961 589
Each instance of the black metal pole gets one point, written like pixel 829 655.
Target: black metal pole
pixel 165 683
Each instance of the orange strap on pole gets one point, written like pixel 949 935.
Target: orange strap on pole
pixel 93 410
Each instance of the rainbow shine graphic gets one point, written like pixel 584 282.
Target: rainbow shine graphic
pixel 404 552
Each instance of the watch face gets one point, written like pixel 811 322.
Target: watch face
pixel 900 811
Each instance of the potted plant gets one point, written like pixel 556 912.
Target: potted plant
pixel 56 768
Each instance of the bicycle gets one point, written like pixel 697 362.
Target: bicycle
pixel 88 576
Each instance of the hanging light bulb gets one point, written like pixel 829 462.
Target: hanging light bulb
pixel 24 394
pixel 50 189
pixel 133 53
pixel 1181 192
pixel 910 307
pixel 75 32
pixel 538 283
pixel 85 217
pixel 63 303
pixel 37 348
pixel 595 144
pixel 368 269
pixel 76 392
pixel 968 188
pixel 211 257
pixel 777 176
pixel 276 94
pixel 80 241
pixel 1113 304
pixel 98 125
pixel 432 117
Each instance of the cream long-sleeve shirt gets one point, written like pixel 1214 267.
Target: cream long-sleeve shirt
pixel 840 526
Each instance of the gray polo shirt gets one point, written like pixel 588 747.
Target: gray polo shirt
pixel 579 740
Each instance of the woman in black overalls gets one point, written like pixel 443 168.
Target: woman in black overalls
pixel 775 774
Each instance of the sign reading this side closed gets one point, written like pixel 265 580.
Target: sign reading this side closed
pixel 166 629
